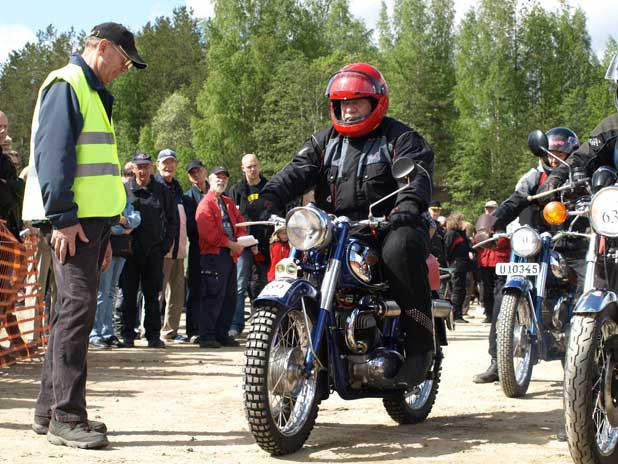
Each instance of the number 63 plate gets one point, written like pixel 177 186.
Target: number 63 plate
pixel 527 269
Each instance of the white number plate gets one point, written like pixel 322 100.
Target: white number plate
pixel 527 269
pixel 276 288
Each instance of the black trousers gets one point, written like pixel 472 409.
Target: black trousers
pixel 498 291
pixel 218 301
pixel 404 251
pixel 63 377
pixel 146 270
pixel 488 279
pixel 193 294
pixel 459 284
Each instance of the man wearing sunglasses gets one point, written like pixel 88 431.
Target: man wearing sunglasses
pixel 74 183
pixel 349 166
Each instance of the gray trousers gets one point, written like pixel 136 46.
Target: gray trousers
pixel 63 377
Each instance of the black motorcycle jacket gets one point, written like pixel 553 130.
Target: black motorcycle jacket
pixel 348 174
pixel 597 151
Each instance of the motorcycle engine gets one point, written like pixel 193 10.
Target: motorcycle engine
pixel 359 326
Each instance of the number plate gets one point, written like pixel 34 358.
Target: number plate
pixel 276 288
pixel 527 269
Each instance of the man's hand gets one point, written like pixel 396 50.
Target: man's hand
pixel 63 240
pixel 404 215
pixel 235 247
pixel 123 221
pixel 107 259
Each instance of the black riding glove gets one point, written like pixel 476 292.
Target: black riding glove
pixel 263 208
pixel 406 214
pixel 550 184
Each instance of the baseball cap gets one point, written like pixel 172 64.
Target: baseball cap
pixel 435 205
pixel 122 37
pixel 219 169
pixel 195 164
pixel 141 157
pixel 165 154
pixel 491 204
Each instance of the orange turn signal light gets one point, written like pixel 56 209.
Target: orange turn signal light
pixel 555 213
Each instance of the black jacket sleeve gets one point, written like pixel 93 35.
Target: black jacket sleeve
pixel 412 146
pixel 170 210
pixel 190 205
pixel 60 123
pixel 297 177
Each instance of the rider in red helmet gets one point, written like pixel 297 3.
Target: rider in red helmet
pixel 348 165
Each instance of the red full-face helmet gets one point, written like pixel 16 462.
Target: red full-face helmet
pixel 358 80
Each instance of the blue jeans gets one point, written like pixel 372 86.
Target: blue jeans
pixel 244 268
pixel 104 319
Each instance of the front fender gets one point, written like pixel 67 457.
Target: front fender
pixel 286 292
pixel 596 302
pixel 520 283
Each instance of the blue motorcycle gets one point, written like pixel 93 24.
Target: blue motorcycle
pixel 327 323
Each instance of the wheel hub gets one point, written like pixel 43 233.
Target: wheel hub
pixel 285 370
pixel 520 341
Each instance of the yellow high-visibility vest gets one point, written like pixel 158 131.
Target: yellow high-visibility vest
pixel 97 188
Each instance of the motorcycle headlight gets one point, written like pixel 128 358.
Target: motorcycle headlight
pixel 604 212
pixel 526 242
pixel 308 227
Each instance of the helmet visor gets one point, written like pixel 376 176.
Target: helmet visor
pixel 345 85
pixel 612 70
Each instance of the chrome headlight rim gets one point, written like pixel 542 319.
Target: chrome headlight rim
pixel 535 246
pixel 352 249
pixel 597 209
pixel 316 237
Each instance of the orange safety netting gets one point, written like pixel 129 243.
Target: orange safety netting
pixel 23 323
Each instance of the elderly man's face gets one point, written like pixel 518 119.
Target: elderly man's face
pixel 167 168
pixel 4 127
pixel 355 110
pixel 115 61
pixel 197 175
pixel 218 182
pixel 142 172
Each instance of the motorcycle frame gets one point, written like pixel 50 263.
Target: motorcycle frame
pixel 325 323
pixel 535 292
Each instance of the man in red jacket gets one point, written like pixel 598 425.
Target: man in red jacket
pixel 216 219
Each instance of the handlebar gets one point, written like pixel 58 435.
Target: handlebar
pixel 569 186
pixel 493 238
pixel 274 220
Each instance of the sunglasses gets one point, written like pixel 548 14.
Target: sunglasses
pixel 127 61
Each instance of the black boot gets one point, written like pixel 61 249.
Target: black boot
pixel 414 369
pixel 489 376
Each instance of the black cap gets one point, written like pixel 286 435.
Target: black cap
pixel 195 164
pixel 141 157
pixel 219 169
pixel 122 37
pixel 435 204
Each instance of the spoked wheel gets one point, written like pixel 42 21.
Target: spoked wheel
pixel 281 400
pixel 591 391
pixel 413 406
pixel 514 345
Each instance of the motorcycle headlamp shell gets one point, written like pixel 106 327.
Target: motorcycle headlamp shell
pixel 559 266
pixel 526 242
pixel 308 227
pixel 604 212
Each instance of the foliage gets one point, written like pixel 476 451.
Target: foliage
pixel 252 79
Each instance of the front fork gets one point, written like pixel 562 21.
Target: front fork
pixel 327 294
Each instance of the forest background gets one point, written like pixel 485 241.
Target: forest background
pixel 251 79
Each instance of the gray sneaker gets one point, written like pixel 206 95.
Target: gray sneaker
pixel 75 435
pixel 40 424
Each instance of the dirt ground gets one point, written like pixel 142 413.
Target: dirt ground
pixel 184 404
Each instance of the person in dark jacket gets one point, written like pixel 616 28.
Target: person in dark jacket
pixel 349 166
pixel 436 244
pixel 11 186
pixel 458 257
pixel 172 295
pixel 254 260
pixel 151 241
pixel 197 174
